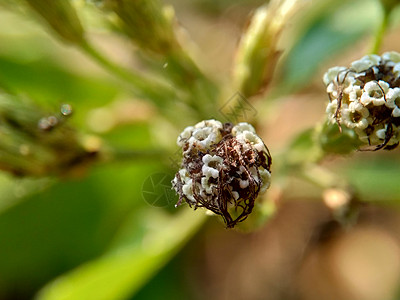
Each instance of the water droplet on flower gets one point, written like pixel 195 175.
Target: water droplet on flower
pixel 66 109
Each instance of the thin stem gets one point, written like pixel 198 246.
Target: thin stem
pixel 143 87
pixel 132 154
pixel 380 33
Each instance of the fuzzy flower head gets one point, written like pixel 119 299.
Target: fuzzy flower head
pixel 366 98
pixel 224 169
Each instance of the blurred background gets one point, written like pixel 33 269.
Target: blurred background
pixel 108 229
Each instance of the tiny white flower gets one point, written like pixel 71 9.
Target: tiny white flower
pixel 375 92
pixel 396 70
pixel 252 138
pixel 332 74
pixel 355 116
pixel 332 89
pixel 186 133
pixel 241 127
pixel 266 179
pixel 393 101
pixel 355 93
pixel 381 133
pixel 366 62
pixel 391 56
pixel 331 110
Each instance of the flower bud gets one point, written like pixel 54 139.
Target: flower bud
pixel 224 169
pixel 258 52
pixel 365 98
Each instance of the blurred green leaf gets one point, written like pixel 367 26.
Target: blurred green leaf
pixel 50 84
pixel 331 32
pixel 375 178
pixel 127 267
pixel 13 189
pixel 48 233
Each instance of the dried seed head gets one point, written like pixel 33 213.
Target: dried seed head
pixel 366 98
pixel 224 168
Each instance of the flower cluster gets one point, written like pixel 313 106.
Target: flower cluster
pixel 366 99
pixel 224 168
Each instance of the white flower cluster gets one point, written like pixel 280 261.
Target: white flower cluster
pixel 366 98
pixel 223 167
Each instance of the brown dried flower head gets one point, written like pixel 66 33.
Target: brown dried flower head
pixel 224 169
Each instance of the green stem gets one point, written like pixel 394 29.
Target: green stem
pixel 380 33
pixel 122 155
pixel 142 87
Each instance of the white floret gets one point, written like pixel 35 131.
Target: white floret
pixel 253 172
pixel 396 70
pixel 266 179
pixel 252 138
pixel 350 85
pixel 187 185
pixel 355 93
pixel 349 112
pixel 381 133
pixel 210 162
pixel 209 123
pixel 331 110
pixel 241 127
pixel 393 100
pixel 202 135
pixel 332 74
pixel 374 92
pixel 332 89
pixel 366 62
pixel 235 195
pixel 243 183
pixel 184 136
pixel 209 169
pixel 391 56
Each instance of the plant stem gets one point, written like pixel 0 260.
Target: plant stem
pixel 143 87
pixel 122 155
pixel 381 31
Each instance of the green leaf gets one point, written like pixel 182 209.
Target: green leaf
pixel 128 266
pixel 49 84
pixel 376 178
pixel 336 28
pixel 47 233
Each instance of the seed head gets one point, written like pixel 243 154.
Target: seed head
pixel 224 169
pixel 366 98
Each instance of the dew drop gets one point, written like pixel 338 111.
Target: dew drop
pixel 53 121
pixel 66 109
pixel 44 124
